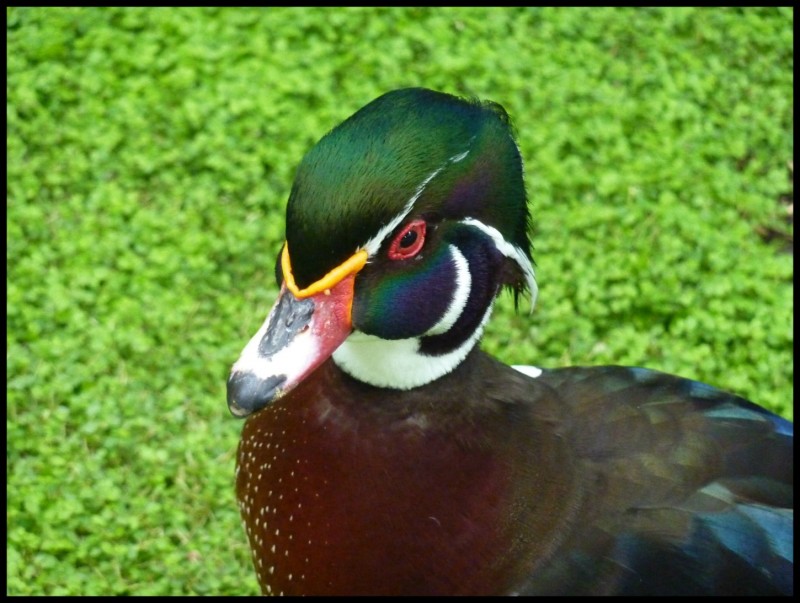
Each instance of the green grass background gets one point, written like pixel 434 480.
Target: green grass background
pixel 150 155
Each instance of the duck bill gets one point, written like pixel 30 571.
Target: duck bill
pixel 299 334
pixel 303 329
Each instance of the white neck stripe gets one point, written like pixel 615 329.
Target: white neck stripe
pixel 460 295
pixel 510 251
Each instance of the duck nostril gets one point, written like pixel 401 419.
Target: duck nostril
pixel 248 393
pixel 294 314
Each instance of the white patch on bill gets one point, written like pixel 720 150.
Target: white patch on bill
pixel 289 360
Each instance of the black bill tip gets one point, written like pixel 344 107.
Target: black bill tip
pixel 248 393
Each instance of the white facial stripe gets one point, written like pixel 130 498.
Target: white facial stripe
pixel 460 156
pixel 460 295
pixel 397 363
pixel 374 244
pixel 510 251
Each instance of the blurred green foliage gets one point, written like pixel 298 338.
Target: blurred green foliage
pixel 150 155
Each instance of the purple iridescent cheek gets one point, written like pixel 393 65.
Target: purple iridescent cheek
pixel 407 302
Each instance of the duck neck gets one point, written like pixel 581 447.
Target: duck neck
pixel 404 363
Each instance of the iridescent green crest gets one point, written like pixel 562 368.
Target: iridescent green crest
pixel 364 172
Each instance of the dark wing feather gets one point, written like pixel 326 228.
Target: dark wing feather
pixel 684 489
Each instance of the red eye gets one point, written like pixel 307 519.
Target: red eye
pixel 408 242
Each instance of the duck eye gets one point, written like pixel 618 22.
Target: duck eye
pixel 408 241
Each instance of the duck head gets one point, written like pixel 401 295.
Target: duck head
pixel 403 224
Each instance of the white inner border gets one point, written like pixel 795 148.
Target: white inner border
pixel 460 295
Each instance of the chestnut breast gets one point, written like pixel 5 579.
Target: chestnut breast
pixel 346 488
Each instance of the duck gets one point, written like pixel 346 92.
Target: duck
pixel 384 453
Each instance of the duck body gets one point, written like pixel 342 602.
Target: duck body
pixel 384 453
pixel 622 510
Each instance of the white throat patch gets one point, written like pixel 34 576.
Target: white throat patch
pixel 398 363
